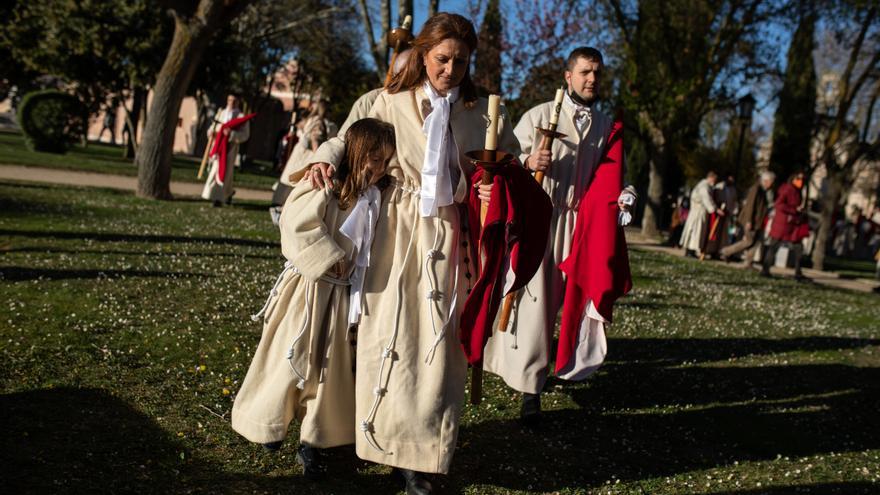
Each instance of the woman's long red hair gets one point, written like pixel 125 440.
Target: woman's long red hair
pixel 439 27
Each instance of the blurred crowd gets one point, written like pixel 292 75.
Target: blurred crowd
pixel 772 224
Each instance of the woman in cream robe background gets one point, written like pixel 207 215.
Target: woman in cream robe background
pixel 411 369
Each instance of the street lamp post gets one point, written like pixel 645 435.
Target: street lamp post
pixel 744 108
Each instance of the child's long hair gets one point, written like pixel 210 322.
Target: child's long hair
pixel 364 137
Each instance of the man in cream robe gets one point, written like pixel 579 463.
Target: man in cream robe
pixel 215 191
pixel 521 354
pixel 696 228
pixel 411 369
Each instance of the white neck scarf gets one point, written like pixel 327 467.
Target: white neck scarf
pixel 360 226
pixel 436 181
pixel 583 115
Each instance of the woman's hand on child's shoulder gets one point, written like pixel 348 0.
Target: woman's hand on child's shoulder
pixel 320 175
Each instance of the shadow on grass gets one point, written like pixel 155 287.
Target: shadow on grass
pixel 20 274
pixel 83 441
pixel 69 440
pixel 648 418
pixel 111 237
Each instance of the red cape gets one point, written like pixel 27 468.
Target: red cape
pixel 517 229
pixel 598 265
pixel 221 143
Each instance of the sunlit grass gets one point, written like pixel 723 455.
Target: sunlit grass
pixel 126 333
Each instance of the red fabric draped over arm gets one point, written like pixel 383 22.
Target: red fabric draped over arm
pixel 516 230
pixel 598 265
pixel 221 143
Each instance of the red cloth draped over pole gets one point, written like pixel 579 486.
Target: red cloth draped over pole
pixel 516 231
pixel 598 265
pixel 221 144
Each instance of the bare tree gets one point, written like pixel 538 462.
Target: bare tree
pixel 404 8
pixel 433 7
pixel 680 61
pixel 193 29
pixel 847 132
pixel 378 47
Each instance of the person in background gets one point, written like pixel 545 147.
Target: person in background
pixel 696 228
pixel 787 225
pixel 752 218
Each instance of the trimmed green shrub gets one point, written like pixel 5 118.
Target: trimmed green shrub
pixel 52 120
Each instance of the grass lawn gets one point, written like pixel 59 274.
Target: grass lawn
pixel 126 334
pixel 107 159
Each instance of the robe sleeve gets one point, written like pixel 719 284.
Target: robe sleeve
pixel 706 198
pixel 306 239
pixel 525 132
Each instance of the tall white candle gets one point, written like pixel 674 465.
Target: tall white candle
pixel 492 130
pixel 557 106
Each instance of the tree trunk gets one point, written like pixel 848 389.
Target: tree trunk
pixel 138 101
pixel 404 8
pixel 830 200
pixel 433 7
pixel 154 156
pixel 654 201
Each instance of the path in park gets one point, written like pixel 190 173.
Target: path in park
pixel 637 241
pixel 111 181
pixel 90 179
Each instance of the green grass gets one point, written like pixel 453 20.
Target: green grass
pixel 107 159
pixel 126 332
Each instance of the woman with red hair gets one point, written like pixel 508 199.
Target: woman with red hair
pixel 411 369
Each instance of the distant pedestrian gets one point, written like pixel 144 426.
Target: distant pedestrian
pixel 789 225
pixel 752 218
pixel 218 187
pixel 696 228
pixel 109 123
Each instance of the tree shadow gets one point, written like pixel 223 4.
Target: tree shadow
pixel 85 440
pixel 21 274
pixel 649 418
pixel 114 237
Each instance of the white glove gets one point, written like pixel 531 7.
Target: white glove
pixel 626 201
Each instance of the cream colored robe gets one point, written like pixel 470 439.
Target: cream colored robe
pixel 214 191
pixel 697 221
pixel 521 355
pixel 408 400
pixel 305 299
pixel 301 155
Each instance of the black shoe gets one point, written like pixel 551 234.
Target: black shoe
pixel 272 446
pixel 530 412
pixel 799 277
pixel 309 458
pixel 229 199
pixel 415 483
pixel 217 204
pixel 765 273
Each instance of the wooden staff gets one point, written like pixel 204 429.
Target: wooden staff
pixel 211 137
pixel 549 135
pixel 398 39
pixel 489 159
